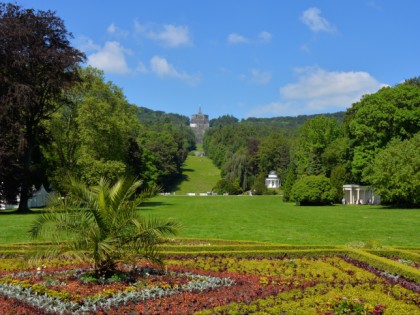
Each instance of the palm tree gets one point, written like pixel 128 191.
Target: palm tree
pixel 101 223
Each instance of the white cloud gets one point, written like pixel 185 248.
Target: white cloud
pixel 260 77
pixel 142 68
pixel 313 19
pixel 86 44
pixel 111 29
pixel 169 35
pixel 162 68
pixel 114 30
pixel 172 35
pixel 319 91
pixel 317 84
pixel 265 37
pixel 111 58
pixel 234 38
pixel 138 27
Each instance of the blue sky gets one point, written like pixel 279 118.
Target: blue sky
pixel 262 58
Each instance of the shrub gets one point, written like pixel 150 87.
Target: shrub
pixel 313 190
pixel 226 186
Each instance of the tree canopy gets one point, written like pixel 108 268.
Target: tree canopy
pixel 37 62
pixel 98 134
pixel 392 112
pixel 395 172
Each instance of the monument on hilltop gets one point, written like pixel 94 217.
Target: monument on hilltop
pixel 199 123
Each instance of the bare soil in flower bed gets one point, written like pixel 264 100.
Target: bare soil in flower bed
pixel 208 285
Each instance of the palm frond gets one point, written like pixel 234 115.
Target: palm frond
pixel 101 224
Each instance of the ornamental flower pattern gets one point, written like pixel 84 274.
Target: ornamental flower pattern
pixel 211 285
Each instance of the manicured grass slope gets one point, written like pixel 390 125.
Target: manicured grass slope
pixel 268 219
pixel 200 175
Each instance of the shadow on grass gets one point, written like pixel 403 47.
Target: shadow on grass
pixel 175 183
pixel 149 205
pixel 15 212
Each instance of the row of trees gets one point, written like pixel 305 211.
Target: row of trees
pixel 375 144
pixel 58 119
pixel 98 134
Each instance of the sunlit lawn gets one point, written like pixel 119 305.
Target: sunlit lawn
pixel 265 218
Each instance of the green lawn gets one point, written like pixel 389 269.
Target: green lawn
pixel 265 218
pixel 268 219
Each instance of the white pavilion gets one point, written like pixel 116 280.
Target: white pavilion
pixel 272 181
pixel 359 195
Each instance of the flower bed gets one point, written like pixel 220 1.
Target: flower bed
pixel 210 285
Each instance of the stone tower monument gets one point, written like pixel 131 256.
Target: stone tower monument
pixel 199 123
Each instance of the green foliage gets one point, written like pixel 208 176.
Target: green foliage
pixel 340 175
pixel 314 138
pixel 244 150
pixel 167 151
pixel 101 223
pixel 313 190
pixel 395 172
pixel 235 169
pixel 91 135
pixel 274 154
pixel 223 121
pixel 156 118
pixel 259 187
pixel 98 134
pixel 290 123
pixel 289 180
pixel 225 186
pixel 392 112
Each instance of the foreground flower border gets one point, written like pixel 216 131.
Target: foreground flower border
pixel 54 304
pixel 229 285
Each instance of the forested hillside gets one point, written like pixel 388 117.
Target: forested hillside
pixel 322 152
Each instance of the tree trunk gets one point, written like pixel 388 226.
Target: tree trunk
pixel 27 160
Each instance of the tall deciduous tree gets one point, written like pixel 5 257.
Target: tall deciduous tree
pixel 37 63
pixel 315 136
pixel 274 154
pixel 392 112
pixel 395 172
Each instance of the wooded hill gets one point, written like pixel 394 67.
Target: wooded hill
pixel 375 142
